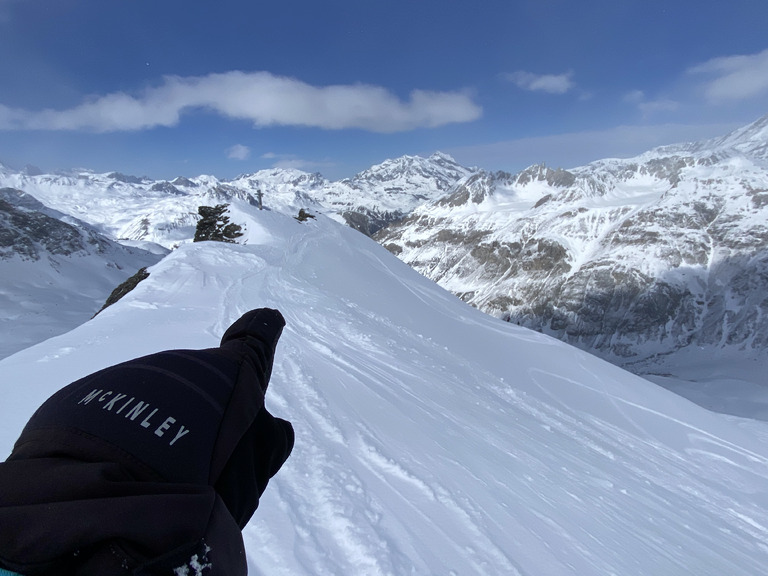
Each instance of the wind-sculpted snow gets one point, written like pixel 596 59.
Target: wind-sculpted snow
pixel 77 211
pixel 432 438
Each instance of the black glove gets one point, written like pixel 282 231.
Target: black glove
pixel 268 442
pixel 259 455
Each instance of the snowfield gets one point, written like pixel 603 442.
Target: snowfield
pixel 432 438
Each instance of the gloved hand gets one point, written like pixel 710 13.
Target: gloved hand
pixel 268 442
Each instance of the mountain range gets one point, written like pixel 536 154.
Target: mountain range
pixel 632 259
pixel 636 260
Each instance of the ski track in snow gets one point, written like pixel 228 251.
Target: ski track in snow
pixel 432 439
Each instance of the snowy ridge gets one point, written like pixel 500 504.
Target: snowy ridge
pixel 751 141
pixel 161 215
pixel 432 438
pixel 385 193
pixel 128 208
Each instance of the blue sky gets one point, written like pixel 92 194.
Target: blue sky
pixel 170 87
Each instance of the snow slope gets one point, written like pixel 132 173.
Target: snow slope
pixel 55 272
pixel 432 438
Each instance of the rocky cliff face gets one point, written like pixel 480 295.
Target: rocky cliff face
pixel 627 258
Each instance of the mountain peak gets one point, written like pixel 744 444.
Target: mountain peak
pixel 666 238
pixel 757 131
pixel 442 157
pixel 438 171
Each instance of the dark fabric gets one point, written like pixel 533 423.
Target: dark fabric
pixel 256 460
pixel 140 467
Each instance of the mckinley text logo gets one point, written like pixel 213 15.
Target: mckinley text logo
pixel 137 411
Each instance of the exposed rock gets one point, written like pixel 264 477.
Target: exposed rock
pixel 124 288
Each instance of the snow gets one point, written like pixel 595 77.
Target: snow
pixel 47 297
pixel 432 438
pixel 724 381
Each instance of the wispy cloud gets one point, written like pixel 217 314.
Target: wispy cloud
pixel 291 161
pixel 238 152
pixel 549 83
pixel 258 97
pixel 734 78
pixel 650 106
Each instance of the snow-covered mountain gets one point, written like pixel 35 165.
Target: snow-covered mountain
pixel 130 208
pixel 165 212
pixel 55 272
pixel 632 259
pixel 750 141
pixel 146 213
pixel 642 261
pixel 386 193
pixel 432 438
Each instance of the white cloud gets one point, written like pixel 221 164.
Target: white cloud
pixel 238 152
pixel 734 78
pixel 549 83
pixel 258 97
